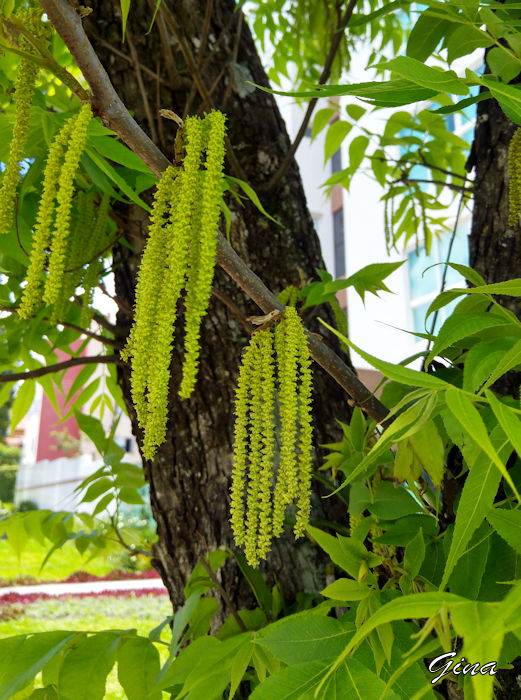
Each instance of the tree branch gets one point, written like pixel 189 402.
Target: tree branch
pixel 116 117
pixel 59 366
pixel 326 72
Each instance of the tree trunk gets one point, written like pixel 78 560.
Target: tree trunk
pixel 494 246
pixel 190 475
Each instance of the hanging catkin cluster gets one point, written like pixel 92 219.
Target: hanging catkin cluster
pixel 22 98
pixel 46 277
pixel 266 396
pixel 514 171
pixel 180 254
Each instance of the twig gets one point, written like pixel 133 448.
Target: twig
pixel 74 327
pixel 233 308
pixel 204 33
pixel 168 54
pixel 126 57
pixel 229 602
pixel 95 336
pixel 59 366
pixel 116 116
pixel 326 72
pixel 141 85
pixel 196 75
pixel 408 181
pixel 233 62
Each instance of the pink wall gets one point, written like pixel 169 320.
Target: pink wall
pixel 47 445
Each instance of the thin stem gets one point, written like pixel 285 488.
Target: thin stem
pixel 141 85
pixel 59 366
pixel 229 602
pixel 447 260
pixel 326 72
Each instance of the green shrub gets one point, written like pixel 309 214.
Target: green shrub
pixel 7 482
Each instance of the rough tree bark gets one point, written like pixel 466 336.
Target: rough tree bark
pixel 189 478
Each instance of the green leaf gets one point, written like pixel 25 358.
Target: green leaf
pixel 432 78
pixel 346 552
pixel 414 555
pixel 125 7
pixel 399 374
pixel 509 98
pixel 23 657
pixel 425 36
pixel 429 451
pixel 391 503
pixel 240 663
pixel 322 117
pixel 93 429
pixel 96 489
pixel 468 416
pixel 507 524
pixel 503 64
pixel 111 173
pixel 468 573
pixel 85 668
pixel 483 359
pixel 459 326
pixel 370 278
pixel 256 580
pixel 80 381
pixel 476 497
pixel 357 149
pixel 511 359
pixel 306 637
pixel 352 681
pixel 252 196
pixel 474 622
pixel 334 137
pixel 22 403
pixel 109 147
pixel 138 668
pixel 508 420
pixel 402 531
pixel 420 605
pixel 346 589
pixel 466 39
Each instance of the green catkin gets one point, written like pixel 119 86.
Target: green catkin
pixel 255 455
pixel 174 279
pixel 514 171
pixel 260 516
pixel 241 442
pixel 148 289
pixel 286 350
pixel 199 288
pixel 23 96
pixel 35 277
pixel 57 259
pixel 268 441
pixel 306 432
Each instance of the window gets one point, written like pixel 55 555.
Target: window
pixel 425 284
pixel 339 245
pixel 336 161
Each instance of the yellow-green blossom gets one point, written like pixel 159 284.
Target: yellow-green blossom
pixel 35 277
pixel 514 172
pixel 205 232
pixel 57 259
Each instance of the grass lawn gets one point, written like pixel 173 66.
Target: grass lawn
pixel 142 613
pixel 64 562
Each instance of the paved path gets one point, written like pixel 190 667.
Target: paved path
pixel 86 587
